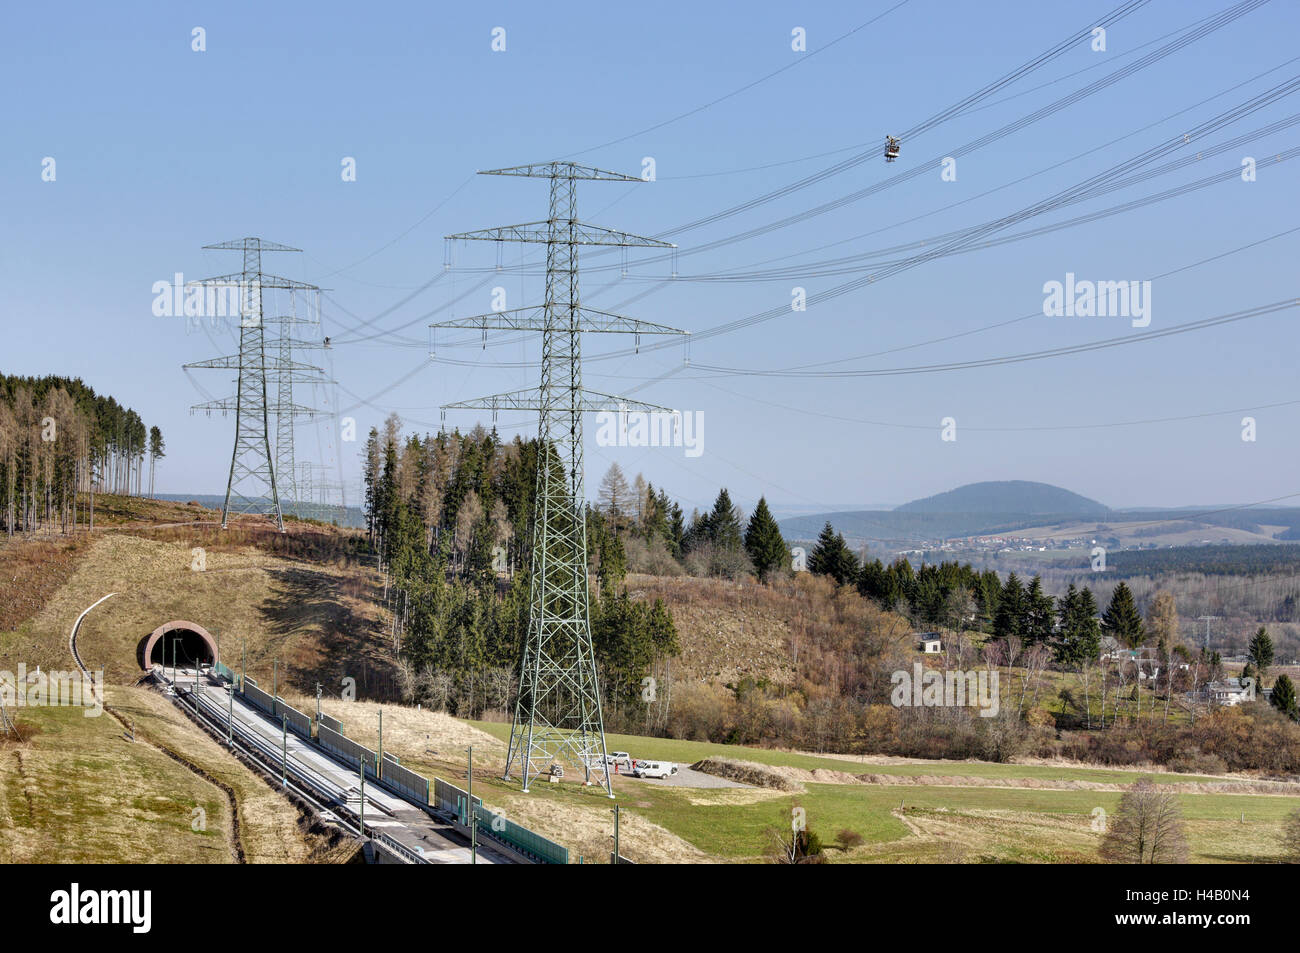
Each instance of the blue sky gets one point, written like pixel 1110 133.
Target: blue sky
pixel 160 150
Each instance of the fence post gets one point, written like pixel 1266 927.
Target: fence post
pixel 616 854
pixel 473 815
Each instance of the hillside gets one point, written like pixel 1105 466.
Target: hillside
pixel 1021 497
pixel 82 788
pixel 975 509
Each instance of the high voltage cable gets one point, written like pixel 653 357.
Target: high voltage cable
pixel 736 92
pixel 837 266
pixel 389 244
pixel 1038 314
pixel 989 228
pixel 948 113
pixel 1095 185
pixel 800 371
pixel 997 102
pixel 1203 28
pixel 1140 337
pixel 1041 428
pixel 662 283
pixel 1110 79
pixel 1177 191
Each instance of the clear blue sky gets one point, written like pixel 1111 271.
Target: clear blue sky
pixel 160 150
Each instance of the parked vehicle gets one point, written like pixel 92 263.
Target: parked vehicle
pixel 655 769
pixel 620 758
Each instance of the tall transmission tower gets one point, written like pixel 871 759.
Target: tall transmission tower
pixel 1207 619
pixel 287 373
pixel 558 711
pixel 252 466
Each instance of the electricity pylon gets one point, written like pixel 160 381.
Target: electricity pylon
pixel 558 711
pixel 287 373
pixel 250 460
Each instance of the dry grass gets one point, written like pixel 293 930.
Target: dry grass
pixel 31 571
pixel 410 733
pixel 727 630
pixel 586 831
pixel 77 790
pixel 272 830
pixel 320 622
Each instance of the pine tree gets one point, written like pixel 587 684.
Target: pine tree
pixel 156 453
pixel 1260 652
pixel 1122 620
pixel 763 541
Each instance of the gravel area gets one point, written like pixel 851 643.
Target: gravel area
pixel 688 778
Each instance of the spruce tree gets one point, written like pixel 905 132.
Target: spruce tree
pixel 1283 697
pixel 831 557
pixel 1010 618
pixel 1038 613
pixel 1260 652
pixel 1080 632
pixel 1122 620
pixel 763 541
pixel 723 526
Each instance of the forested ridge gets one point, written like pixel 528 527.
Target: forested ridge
pixel 59 438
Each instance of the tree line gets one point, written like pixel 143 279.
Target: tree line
pixel 58 439
pixel 449 516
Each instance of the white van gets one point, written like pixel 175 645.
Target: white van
pixel 654 769
pixel 620 758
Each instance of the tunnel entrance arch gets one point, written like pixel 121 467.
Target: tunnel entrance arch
pixel 191 641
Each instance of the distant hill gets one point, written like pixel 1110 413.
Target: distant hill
pixel 1002 506
pixel 1020 497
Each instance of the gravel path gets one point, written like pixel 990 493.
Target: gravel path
pixel 689 778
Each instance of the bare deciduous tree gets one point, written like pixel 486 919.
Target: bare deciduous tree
pixel 1291 837
pixel 1147 828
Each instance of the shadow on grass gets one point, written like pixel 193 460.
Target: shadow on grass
pixel 343 642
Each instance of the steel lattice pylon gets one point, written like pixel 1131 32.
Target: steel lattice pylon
pixel 251 462
pixel 287 373
pixel 558 709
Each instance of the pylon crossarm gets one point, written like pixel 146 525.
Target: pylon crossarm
pixel 252 244
pixel 262 281
pixel 533 318
pixel 589 401
pixel 231 404
pixel 572 232
pixel 557 169
pixel 231 362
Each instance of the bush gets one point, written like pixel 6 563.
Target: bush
pixel 652 559
pixel 1197 762
pixel 848 839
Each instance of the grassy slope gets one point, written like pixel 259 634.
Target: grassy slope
pixel 77 790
